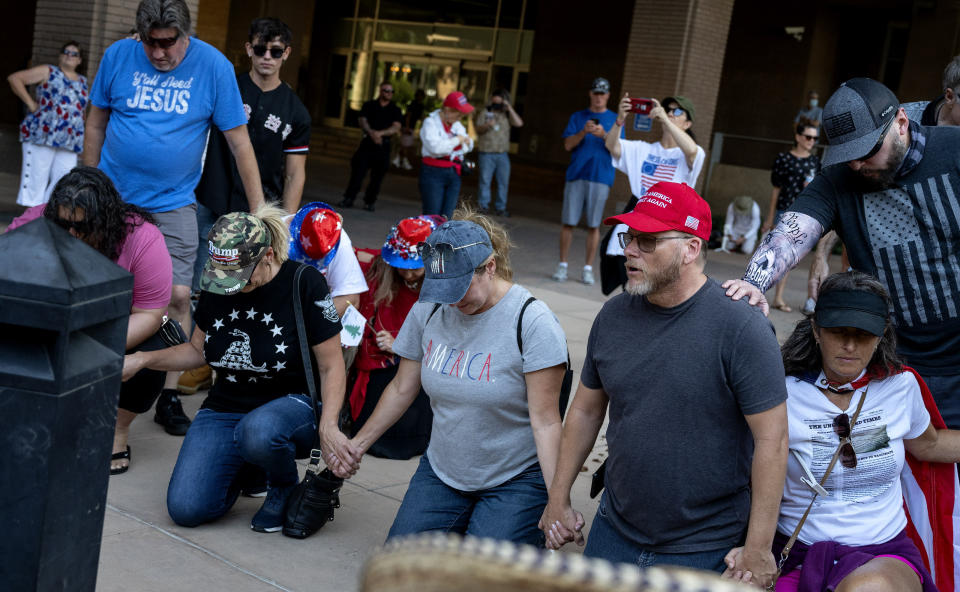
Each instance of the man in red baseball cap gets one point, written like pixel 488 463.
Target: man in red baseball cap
pixel 695 388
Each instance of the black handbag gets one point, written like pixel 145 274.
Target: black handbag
pixel 314 499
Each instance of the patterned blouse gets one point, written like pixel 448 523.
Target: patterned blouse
pixel 58 122
pixel 791 175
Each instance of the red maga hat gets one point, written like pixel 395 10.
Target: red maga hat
pixel 669 206
pixel 457 100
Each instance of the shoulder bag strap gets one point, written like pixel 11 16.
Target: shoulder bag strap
pixel 833 461
pixel 520 329
pixel 304 346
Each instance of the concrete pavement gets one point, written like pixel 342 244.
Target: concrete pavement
pixel 143 550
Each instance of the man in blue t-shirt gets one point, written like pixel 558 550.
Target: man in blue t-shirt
pixel 589 176
pixel 152 104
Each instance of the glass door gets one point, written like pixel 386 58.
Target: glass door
pixel 437 77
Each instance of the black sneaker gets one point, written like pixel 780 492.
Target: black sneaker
pixel 503 213
pixel 269 518
pixel 170 413
pixel 368 207
pixel 345 203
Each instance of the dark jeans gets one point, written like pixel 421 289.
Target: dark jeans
pixel 510 511
pixel 605 542
pixel 376 159
pixel 439 189
pixel 219 447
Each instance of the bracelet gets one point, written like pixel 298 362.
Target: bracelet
pixel 620 122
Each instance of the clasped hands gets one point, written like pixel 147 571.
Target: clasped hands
pixel 341 455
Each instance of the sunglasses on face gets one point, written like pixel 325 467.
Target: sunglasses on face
pixel 675 111
pixel 878 145
pixel 388 91
pixel 71 53
pixel 813 138
pixel 440 258
pixel 79 226
pixel 275 52
pixel 164 43
pixel 645 243
pixel 841 427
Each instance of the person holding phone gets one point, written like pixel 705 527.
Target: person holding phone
pixel 675 158
pixel 589 176
pixel 493 147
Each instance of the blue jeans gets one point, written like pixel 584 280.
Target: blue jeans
pixel 510 511
pixel 219 447
pixel 490 164
pixel 205 221
pixel 606 543
pixel 439 189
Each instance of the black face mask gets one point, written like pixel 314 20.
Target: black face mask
pixel 496 107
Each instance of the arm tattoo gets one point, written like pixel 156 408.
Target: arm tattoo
pixel 794 236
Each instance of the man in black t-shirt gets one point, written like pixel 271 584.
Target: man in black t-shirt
pixel 380 118
pixel 279 128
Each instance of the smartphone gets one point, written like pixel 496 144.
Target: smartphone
pixel 595 120
pixel 641 106
pixel 597 483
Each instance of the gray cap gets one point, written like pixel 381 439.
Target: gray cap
pixel 600 85
pixel 450 255
pixel 855 117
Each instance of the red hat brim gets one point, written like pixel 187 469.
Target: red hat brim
pixel 640 222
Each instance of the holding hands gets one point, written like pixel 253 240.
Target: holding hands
pixel 750 567
pixel 561 524
pixel 341 455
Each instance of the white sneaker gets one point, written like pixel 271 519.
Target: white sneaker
pixel 406 164
pixel 587 277
pixel 396 162
pixel 809 306
pixel 560 275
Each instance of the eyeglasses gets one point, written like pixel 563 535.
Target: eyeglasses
pixel 676 112
pixel 81 227
pixel 814 138
pixel 388 91
pixel 442 260
pixel 879 143
pixel 841 427
pixel 645 243
pixel 164 43
pixel 71 53
pixel 275 52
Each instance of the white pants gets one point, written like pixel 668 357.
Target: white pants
pixel 42 167
pixel 747 246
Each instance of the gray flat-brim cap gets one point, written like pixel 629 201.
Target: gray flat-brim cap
pixel 855 117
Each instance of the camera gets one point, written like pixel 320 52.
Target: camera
pixel 641 106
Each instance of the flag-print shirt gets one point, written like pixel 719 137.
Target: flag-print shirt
pixel 251 339
pixel 58 122
pixel 908 236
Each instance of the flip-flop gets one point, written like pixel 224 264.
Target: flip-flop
pixel 117 456
pixel 783 307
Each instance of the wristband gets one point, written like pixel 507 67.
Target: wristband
pixel 620 122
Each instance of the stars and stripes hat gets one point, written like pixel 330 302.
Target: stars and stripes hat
pixel 669 206
pixel 315 235
pixel 400 248
pixel 450 255
pixel 236 243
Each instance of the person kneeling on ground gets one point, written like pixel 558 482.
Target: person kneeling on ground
pixel 257 417
pixel 741 225
pixel 854 411
pixel 86 203
pixel 496 418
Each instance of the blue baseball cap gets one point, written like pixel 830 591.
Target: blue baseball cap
pixel 450 255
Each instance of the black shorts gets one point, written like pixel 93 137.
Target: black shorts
pixel 140 392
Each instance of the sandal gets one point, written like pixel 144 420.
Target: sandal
pixel 783 306
pixel 118 456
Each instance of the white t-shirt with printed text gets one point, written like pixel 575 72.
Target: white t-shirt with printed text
pixel 865 503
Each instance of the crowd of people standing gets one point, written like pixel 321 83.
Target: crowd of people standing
pixel 715 465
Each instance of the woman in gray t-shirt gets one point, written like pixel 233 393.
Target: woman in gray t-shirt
pixel 496 425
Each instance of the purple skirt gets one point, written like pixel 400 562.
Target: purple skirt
pixel 826 563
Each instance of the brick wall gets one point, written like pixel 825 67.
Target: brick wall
pixel 94 24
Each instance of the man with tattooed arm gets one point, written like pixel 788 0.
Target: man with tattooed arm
pixel 894 200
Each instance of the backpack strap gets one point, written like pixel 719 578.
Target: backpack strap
pixel 520 323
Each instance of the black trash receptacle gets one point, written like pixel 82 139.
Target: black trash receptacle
pixel 63 324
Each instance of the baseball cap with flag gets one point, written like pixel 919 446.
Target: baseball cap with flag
pixel 236 243
pixel 457 100
pixel 855 119
pixel 669 206
pixel 315 235
pixel 450 255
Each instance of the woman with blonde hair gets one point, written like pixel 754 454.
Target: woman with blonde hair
pixel 491 360
pixel 258 415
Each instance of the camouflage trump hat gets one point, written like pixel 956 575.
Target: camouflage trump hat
pixel 237 241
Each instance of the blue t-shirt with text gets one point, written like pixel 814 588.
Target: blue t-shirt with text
pixel 590 160
pixel 159 121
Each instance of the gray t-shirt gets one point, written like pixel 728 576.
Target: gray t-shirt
pixel 680 381
pixel 473 373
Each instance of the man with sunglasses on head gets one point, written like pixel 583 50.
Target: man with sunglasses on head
pixel 152 105
pixel 890 188
pixel 697 434
pixel 380 118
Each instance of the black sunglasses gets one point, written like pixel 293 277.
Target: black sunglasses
pixel 387 90
pixel 814 138
pixel 841 427
pixel 71 53
pixel 164 43
pixel 275 52
pixel 82 227
pixel 442 259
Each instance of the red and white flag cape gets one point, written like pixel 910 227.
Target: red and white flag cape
pixel 931 498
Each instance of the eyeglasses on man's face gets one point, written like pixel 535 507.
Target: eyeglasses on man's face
pixel 162 43
pixel 645 242
pixel 275 52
